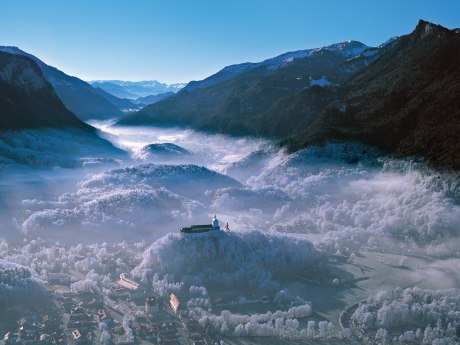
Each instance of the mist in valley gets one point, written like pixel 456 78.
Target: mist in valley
pixel 156 180
pixel 229 173
pixel 339 220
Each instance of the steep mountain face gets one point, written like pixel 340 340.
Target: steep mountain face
pixel 78 96
pixel 36 129
pixel 401 97
pixel 136 89
pixel 238 104
pixel 27 100
pixel 406 102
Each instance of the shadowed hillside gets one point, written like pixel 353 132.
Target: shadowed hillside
pixel 406 102
pixel 27 100
pixel 401 97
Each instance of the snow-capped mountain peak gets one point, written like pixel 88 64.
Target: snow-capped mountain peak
pixel 136 89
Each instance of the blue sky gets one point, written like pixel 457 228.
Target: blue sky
pixel 178 41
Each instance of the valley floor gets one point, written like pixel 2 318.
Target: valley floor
pixel 361 223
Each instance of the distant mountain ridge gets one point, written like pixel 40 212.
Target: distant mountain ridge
pixel 136 89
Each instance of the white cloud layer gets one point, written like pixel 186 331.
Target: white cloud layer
pixel 70 148
pixel 344 191
pixel 145 201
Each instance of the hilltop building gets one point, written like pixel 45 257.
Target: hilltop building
pixel 204 230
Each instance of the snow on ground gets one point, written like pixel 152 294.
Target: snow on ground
pixel 411 315
pixel 17 285
pixel 250 259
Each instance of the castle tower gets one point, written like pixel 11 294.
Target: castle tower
pixel 215 222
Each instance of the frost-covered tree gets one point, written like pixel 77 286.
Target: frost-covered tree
pixel 412 315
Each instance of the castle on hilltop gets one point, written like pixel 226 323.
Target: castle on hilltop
pixel 204 230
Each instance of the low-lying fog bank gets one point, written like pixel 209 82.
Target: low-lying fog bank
pixel 347 197
pixel 347 192
pixel 48 148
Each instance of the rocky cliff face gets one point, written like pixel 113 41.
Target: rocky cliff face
pixel 27 100
pixel 78 96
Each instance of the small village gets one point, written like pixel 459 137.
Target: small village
pixel 126 312
pixel 80 306
pixel 90 318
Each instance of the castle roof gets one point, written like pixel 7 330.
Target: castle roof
pixel 195 229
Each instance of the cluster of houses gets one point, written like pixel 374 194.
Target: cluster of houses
pixel 85 313
pixel 47 330
pixel 76 317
